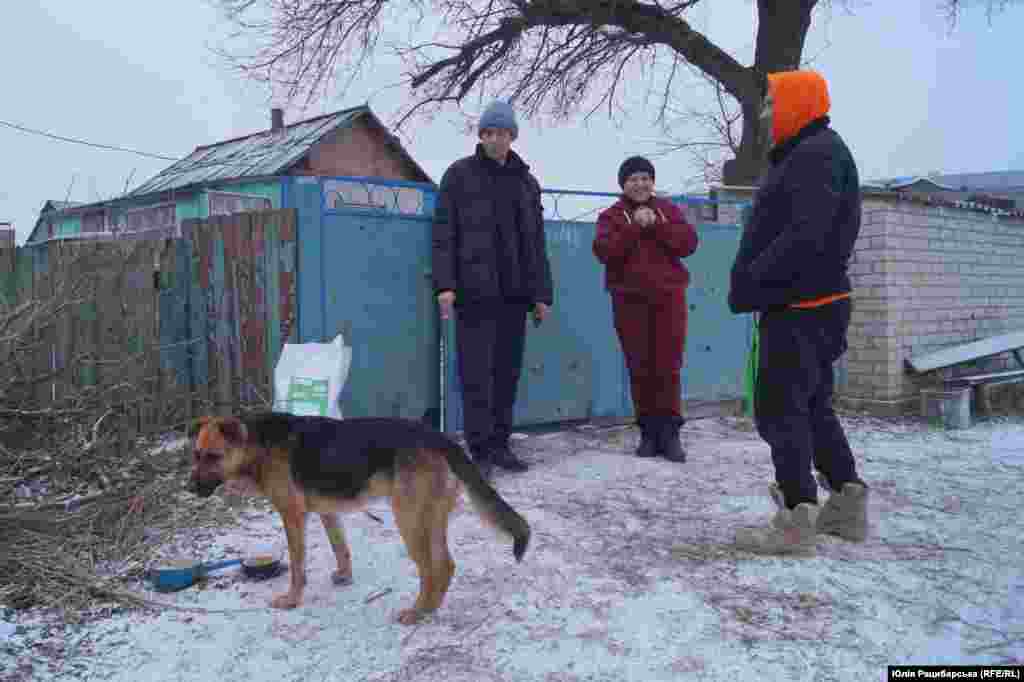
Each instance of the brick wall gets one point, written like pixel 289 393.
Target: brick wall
pixel 359 150
pixel 925 277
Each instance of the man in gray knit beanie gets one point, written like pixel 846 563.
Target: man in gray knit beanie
pixel 490 266
pixel 499 115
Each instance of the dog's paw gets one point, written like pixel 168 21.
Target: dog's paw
pixel 410 616
pixel 285 601
pixel 341 579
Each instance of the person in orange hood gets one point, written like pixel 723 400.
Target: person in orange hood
pixel 640 241
pixel 791 269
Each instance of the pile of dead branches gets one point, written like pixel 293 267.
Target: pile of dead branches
pixel 86 495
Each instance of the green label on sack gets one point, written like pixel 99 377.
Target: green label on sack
pixel 307 396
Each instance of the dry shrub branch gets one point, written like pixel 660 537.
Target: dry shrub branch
pixel 90 471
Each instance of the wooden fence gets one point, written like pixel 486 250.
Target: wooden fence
pixel 243 292
pixel 157 330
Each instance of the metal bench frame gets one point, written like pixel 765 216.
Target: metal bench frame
pixel 971 352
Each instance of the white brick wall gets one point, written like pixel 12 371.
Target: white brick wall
pixel 926 278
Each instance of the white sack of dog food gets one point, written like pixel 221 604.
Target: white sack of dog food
pixel 309 377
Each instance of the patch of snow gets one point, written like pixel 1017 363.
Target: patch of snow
pixel 169 444
pixel 631 575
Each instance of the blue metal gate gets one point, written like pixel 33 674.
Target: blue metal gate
pixel 364 271
pixel 574 368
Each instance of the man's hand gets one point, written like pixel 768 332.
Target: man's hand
pixel 540 311
pixel 645 216
pixel 446 300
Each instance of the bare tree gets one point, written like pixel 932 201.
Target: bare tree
pixel 717 137
pixel 552 57
pixel 953 8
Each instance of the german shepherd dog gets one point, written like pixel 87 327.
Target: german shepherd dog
pixel 318 464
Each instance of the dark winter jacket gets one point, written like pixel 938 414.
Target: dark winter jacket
pixel 797 243
pixel 644 260
pixel 488 234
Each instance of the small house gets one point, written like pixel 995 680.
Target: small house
pixel 248 173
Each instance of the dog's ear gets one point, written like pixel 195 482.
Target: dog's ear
pixel 233 430
pixel 196 426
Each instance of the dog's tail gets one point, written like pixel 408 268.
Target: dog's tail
pixel 491 507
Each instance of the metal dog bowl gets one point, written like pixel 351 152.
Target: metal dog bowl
pixel 262 567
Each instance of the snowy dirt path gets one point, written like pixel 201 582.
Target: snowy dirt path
pixel 631 575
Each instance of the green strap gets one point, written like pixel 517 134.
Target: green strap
pixel 751 378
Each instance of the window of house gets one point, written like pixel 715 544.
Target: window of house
pixel 355 194
pixel 149 218
pixel 226 203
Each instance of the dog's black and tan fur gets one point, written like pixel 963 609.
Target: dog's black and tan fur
pixel 322 465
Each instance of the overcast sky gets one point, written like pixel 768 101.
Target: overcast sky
pixel 909 96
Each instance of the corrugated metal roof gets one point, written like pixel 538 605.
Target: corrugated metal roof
pixel 908 180
pixel 54 205
pixel 939 201
pixel 958 182
pixel 987 182
pixel 261 154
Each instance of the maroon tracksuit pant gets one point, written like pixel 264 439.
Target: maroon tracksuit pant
pixel 652 332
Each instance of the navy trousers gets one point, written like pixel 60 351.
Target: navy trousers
pixel 490 340
pixel 793 398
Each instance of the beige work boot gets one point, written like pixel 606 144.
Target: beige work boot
pixel 845 513
pixel 791 531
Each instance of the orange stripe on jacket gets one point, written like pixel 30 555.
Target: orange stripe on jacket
pixel 818 302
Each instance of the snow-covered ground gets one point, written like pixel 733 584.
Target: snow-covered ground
pixel 631 575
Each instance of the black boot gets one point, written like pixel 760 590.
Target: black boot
pixel 648 438
pixel 668 439
pixel 502 455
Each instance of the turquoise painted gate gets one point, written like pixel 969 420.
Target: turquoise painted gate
pixel 364 271
pixel 573 367
pixel 717 340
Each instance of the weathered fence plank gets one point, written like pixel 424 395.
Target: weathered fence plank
pixel 161 328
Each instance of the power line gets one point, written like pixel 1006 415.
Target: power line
pixel 241 162
pixel 85 142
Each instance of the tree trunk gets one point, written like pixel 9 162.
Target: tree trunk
pixel 746 168
pixel 781 33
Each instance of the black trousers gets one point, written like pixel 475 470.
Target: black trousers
pixel 490 340
pixel 793 398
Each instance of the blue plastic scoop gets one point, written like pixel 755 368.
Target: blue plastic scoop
pixel 177 575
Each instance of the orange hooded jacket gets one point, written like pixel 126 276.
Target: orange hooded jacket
pixel 796 247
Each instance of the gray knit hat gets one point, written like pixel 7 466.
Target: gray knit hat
pixel 500 115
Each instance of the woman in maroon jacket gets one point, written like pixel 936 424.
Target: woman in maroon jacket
pixel 640 241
